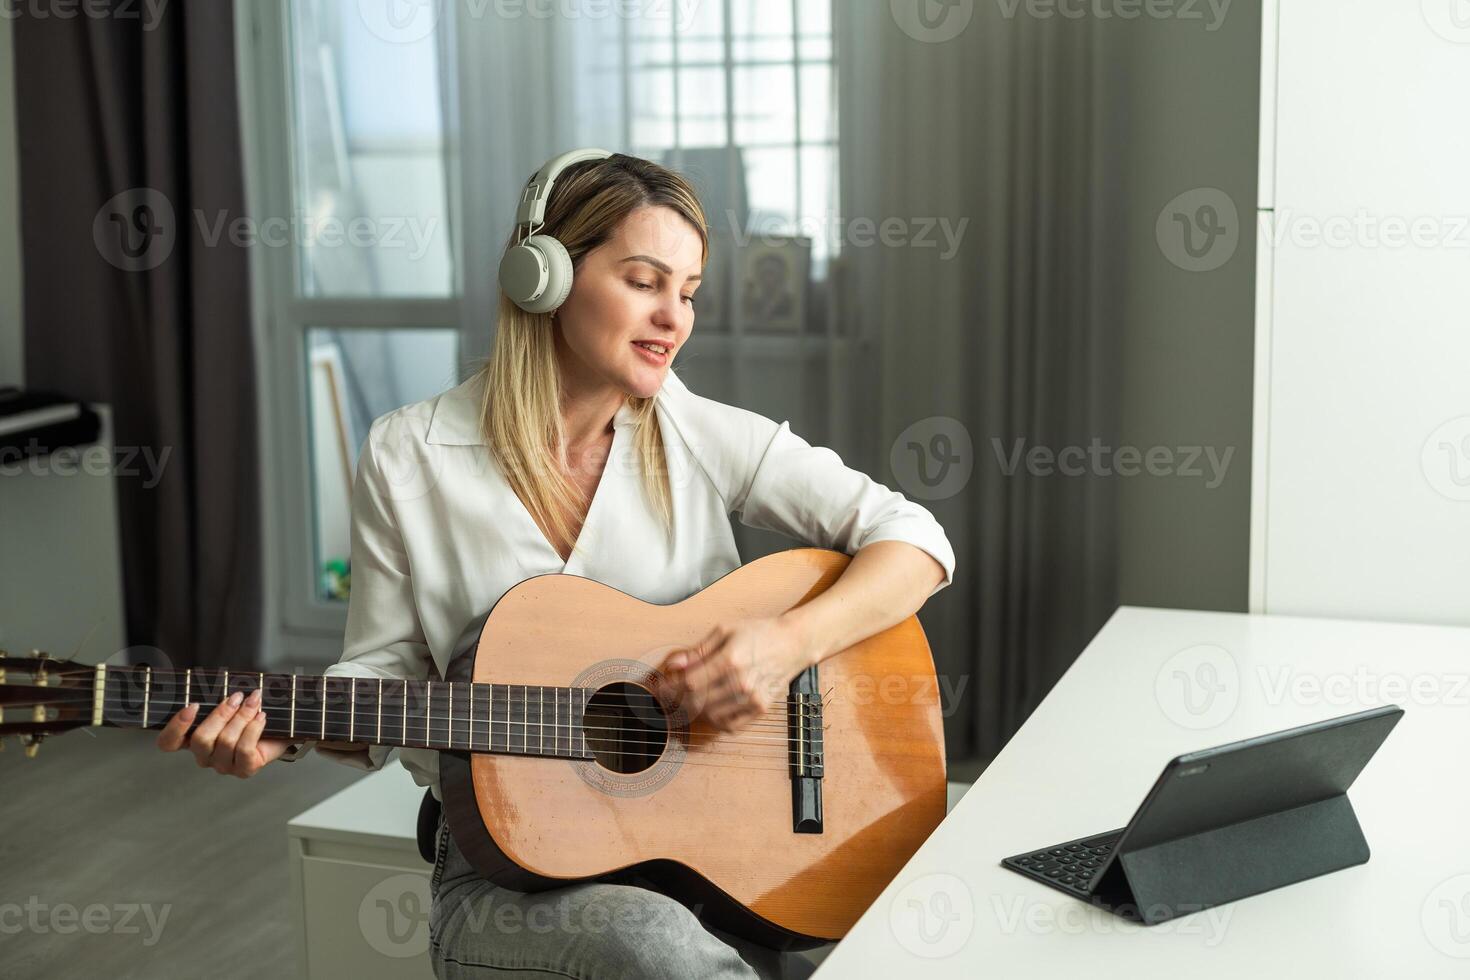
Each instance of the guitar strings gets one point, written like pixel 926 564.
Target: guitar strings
pixel 778 717
pixel 708 748
pixel 537 731
pixel 171 707
pixel 136 671
pixel 526 729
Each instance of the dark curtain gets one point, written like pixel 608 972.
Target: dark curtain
pixel 129 146
pixel 1015 340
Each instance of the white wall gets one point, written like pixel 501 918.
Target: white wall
pixel 12 362
pixel 1362 450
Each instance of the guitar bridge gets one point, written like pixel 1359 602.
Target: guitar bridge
pixel 804 733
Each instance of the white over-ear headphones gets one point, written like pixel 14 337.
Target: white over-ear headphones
pixel 536 272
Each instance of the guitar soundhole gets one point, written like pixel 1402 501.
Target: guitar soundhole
pixel 625 727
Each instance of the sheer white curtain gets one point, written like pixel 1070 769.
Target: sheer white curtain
pixel 720 104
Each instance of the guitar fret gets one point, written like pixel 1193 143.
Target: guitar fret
pixel 451 716
pixel 378 735
pixel 352 710
pixel 564 742
pixel 187 677
pixel 147 689
pixel 581 696
pixel 291 732
pixel 322 704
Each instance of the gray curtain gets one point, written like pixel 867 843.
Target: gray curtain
pixel 129 142
pixel 1014 337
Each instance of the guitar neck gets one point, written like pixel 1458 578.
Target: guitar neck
pixel 511 719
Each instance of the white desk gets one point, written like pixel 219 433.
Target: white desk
pixel 1155 683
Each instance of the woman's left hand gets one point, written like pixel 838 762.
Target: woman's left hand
pixel 737 672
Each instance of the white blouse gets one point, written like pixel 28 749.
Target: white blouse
pixel 438 535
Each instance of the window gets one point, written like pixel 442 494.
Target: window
pixel 358 127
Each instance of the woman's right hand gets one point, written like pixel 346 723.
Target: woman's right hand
pixel 228 741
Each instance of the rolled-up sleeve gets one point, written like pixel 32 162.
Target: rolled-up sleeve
pixel 384 638
pixel 807 493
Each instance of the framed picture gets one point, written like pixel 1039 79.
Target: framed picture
pixel 712 300
pixel 773 283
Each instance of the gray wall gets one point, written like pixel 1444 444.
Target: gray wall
pixel 12 363
pixel 1184 114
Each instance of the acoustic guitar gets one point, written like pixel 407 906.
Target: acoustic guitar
pixel 563 759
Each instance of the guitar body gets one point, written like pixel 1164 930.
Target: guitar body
pixel 708 817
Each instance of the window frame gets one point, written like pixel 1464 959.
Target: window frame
pixel 303 624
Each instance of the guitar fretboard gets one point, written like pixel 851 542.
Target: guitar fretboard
pixel 513 719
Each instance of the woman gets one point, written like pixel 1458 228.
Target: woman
pixel 460 497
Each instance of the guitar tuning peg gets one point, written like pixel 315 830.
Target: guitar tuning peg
pixel 32 744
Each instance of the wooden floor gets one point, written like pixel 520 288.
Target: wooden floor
pixel 118 860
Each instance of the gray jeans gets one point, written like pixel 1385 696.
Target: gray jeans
pixel 588 931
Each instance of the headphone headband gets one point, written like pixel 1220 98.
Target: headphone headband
pixel 532 210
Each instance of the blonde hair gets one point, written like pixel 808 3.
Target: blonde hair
pixel 520 413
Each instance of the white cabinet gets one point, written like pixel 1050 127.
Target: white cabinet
pixel 1361 497
pixel 360 888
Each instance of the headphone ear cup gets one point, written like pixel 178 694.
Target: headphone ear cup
pixel 537 274
pixel 558 273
